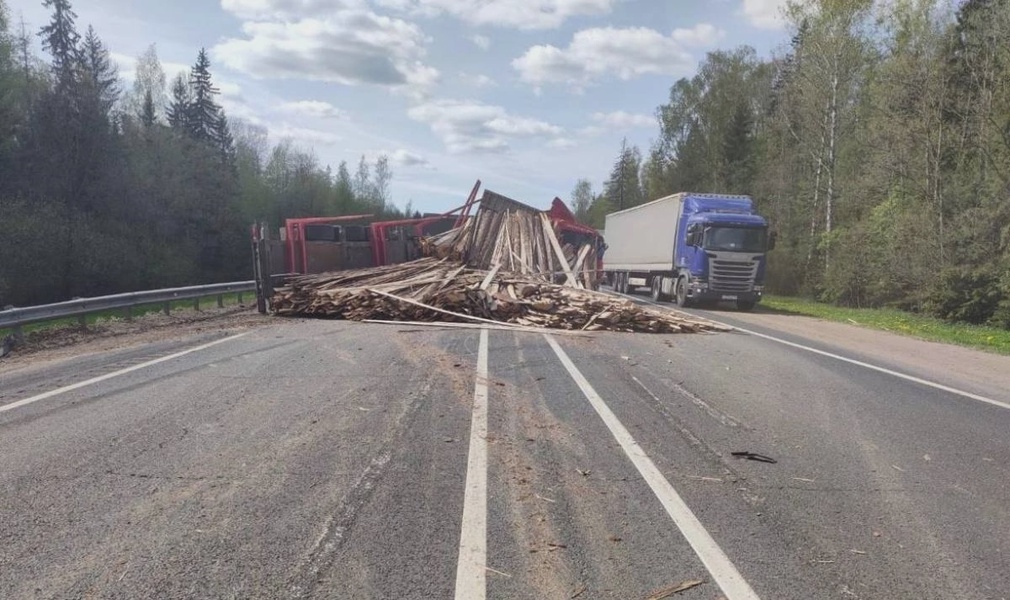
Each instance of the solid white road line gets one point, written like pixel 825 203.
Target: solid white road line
pixel 79 385
pixel 912 378
pixel 470 569
pixel 860 363
pixel 733 585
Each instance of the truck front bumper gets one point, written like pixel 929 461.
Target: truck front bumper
pixel 702 293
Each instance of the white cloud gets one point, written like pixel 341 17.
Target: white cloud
pixel 305 135
pixel 522 14
pixel 624 120
pixel 312 108
pixel 595 53
pixel 481 41
pixel 287 9
pixel 127 67
pixel 562 142
pixel 350 47
pixel 229 89
pixel 477 81
pixel 764 14
pixel 702 34
pixel 406 158
pixel 468 126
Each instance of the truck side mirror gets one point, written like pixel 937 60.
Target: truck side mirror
pixel 693 237
pixel 771 240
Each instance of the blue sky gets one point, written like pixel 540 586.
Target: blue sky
pixel 527 95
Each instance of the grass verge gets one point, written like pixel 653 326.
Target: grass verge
pixel 230 299
pixel 991 339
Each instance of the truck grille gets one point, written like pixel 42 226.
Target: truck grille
pixel 731 275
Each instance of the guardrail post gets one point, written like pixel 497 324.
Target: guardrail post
pixel 82 321
pixel 240 299
pixel 261 269
pixel 220 300
pixel 167 308
pixel 19 334
pixel 196 304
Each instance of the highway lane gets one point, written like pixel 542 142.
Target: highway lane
pixel 330 459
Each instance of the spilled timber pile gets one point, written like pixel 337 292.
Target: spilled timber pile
pixel 431 289
pixel 522 240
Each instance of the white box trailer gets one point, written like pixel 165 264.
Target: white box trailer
pixel 698 248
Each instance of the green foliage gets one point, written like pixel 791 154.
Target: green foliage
pixel 582 199
pixel 896 321
pixel 598 211
pixel 624 188
pixel 99 195
pixel 877 144
pixel 969 295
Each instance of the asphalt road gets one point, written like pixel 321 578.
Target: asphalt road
pixel 313 459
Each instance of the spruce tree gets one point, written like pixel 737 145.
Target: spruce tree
pixel 204 115
pixel 223 138
pixel 60 39
pixel 179 109
pixel 101 74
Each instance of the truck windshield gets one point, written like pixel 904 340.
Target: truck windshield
pixel 735 239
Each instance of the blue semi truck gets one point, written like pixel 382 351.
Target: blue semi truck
pixel 699 249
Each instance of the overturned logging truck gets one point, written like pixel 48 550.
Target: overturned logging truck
pixel 507 265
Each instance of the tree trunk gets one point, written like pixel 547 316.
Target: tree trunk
pixel 832 143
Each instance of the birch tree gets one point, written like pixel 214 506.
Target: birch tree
pixel 832 53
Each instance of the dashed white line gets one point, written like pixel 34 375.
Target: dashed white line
pixel 725 574
pixel 898 374
pixel 471 576
pixel 107 376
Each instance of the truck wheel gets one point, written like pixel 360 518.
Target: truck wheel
pixel 657 290
pixel 745 305
pixel 682 300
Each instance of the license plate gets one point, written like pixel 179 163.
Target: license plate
pixel 729 297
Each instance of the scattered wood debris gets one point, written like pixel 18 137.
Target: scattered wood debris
pixel 431 289
pixel 505 266
pixel 521 240
pixel 674 589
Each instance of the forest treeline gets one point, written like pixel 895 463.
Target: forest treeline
pixel 877 142
pixel 107 188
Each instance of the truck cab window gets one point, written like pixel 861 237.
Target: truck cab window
pixel 735 239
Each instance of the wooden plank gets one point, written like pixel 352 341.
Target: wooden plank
pixel 571 279
pixel 498 327
pixel 490 276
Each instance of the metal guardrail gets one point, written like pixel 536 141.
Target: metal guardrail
pixel 15 318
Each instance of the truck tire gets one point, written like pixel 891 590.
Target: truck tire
pixel 682 300
pixel 745 305
pixel 657 289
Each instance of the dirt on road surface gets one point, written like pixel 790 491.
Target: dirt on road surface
pixel 57 343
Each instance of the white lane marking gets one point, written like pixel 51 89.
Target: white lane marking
pixel 733 585
pixel 470 569
pixel 99 379
pixel 912 378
